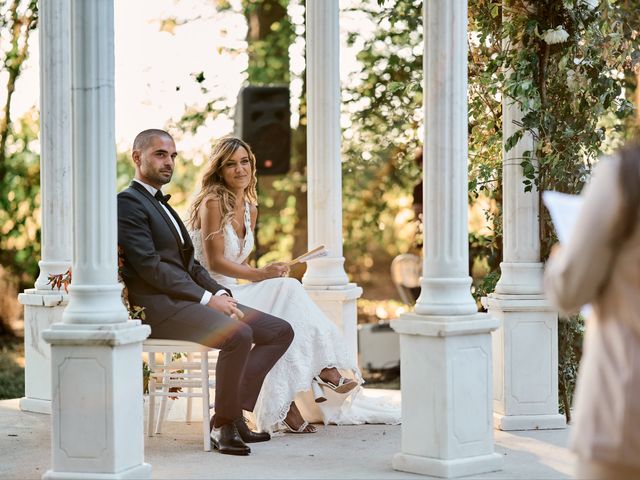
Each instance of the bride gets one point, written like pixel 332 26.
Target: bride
pixel 222 219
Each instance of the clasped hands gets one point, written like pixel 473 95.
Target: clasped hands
pixel 227 305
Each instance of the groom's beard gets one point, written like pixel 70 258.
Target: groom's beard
pixel 164 176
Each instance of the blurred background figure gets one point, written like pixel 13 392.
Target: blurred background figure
pixel 601 265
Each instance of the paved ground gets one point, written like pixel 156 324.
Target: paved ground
pixel 355 452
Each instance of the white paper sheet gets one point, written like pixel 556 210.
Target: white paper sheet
pixel 564 210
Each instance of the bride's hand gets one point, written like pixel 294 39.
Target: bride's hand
pixel 273 270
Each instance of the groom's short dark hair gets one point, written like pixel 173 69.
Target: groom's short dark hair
pixel 143 138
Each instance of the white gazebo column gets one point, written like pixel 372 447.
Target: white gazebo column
pixel 525 362
pixel 325 279
pixel 445 345
pixel 97 420
pixel 42 305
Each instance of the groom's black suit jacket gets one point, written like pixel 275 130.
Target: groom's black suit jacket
pixel 160 271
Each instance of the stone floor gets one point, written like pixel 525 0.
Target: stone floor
pixel 353 452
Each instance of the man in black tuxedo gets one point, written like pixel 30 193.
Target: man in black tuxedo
pixel 183 302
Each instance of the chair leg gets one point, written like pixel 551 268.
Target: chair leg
pixel 152 394
pixel 204 372
pixel 189 391
pixel 165 389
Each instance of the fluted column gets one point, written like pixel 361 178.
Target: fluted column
pixel 445 344
pixel 525 360
pixel 521 269
pixel 44 305
pixel 325 278
pixel 95 293
pixel 55 140
pixel 445 282
pixel 324 174
pixel 97 424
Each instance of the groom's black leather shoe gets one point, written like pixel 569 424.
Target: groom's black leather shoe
pixel 247 435
pixel 227 440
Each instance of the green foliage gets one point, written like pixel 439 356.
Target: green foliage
pixel 382 107
pixel 269 37
pixel 11 372
pixel 19 162
pixel 20 202
pixel 570 334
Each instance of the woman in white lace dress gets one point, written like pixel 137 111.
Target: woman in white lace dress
pixel 222 219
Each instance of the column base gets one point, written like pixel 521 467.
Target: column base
pixel 528 422
pixel 141 471
pixel 35 405
pixel 520 279
pixel 447 468
pixel 50 268
pixel 325 272
pixel 445 297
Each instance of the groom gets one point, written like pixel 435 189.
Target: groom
pixel 181 300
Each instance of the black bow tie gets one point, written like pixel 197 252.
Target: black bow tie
pixel 162 198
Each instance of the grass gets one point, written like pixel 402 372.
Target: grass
pixel 11 367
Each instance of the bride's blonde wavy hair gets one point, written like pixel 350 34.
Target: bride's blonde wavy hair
pixel 213 185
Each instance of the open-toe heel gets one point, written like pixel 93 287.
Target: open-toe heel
pixel 342 387
pixel 318 393
pixel 301 429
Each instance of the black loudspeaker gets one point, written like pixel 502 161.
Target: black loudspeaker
pixel 263 121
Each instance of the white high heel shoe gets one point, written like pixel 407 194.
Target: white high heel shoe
pixel 318 393
pixel 344 386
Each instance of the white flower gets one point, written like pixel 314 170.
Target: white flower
pixel 555 35
pixel 572 81
pixel 591 4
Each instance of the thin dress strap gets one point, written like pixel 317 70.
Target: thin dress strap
pixel 247 217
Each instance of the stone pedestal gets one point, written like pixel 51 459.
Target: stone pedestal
pixel 340 305
pixel 40 312
pixel 447 428
pixel 97 427
pixel 525 363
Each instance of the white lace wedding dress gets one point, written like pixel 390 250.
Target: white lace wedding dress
pixel 317 344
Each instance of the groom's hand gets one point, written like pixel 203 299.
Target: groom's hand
pixel 224 304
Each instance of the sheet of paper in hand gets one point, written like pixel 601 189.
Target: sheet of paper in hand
pixel 564 210
pixel 310 255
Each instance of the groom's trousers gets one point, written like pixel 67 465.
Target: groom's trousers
pixel 241 369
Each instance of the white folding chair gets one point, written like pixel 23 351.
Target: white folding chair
pixel 192 376
pixel 406 270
